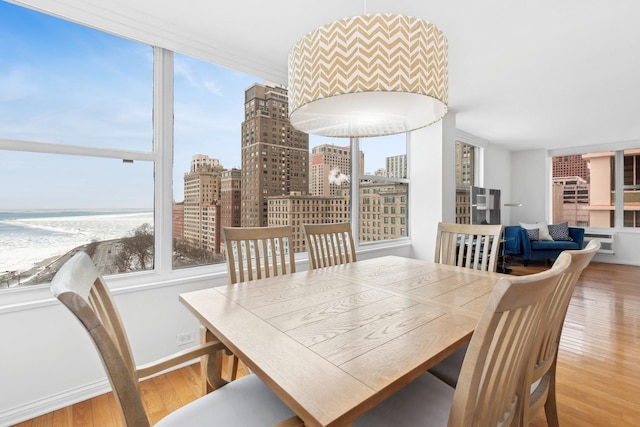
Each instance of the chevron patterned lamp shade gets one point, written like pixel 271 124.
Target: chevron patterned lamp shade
pixel 369 75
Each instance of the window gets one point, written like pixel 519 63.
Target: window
pixel 589 191
pixel 574 199
pixel 466 170
pixel 380 180
pixel 383 176
pixel 63 83
pixel 86 136
pixel 465 164
pixel 76 146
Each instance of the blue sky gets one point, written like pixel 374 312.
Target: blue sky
pixel 61 82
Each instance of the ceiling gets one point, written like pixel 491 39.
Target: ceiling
pixel 522 74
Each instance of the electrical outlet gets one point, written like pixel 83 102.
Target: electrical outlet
pixel 185 338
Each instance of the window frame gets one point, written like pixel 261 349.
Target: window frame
pixel 618 150
pixel 161 154
pixel 356 178
pixel 479 145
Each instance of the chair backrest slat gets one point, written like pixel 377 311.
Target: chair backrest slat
pixel 468 245
pixel 256 252
pixel 283 260
pixel 329 244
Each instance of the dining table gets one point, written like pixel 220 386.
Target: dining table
pixel 334 342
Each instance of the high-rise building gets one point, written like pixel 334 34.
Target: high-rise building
pixel 201 194
pixel 178 220
pixel 200 160
pixel 295 210
pixel 396 166
pixel 275 156
pixel 383 211
pixel 230 194
pixel 463 205
pixel 571 189
pixel 465 161
pixel 570 199
pixel 211 231
pixel 465 178
pixel 330 169
pixel 571 166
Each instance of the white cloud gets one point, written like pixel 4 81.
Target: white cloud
pixel 196 75
pixel 214 87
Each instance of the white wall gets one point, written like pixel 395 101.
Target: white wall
pixel 626 249
pixel 497 174
pixel 529 186
pixel 433 180
pixel 49 361
pixel 427 187
pixel 448 164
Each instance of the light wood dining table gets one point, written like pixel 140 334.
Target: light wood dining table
pixel 334 342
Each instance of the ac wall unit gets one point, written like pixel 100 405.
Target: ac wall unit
pixel 607 241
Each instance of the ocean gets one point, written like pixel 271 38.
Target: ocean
pixel 29 237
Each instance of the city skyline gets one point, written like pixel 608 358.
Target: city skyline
pixel 67 84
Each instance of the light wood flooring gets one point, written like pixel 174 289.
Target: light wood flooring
pixel 598 362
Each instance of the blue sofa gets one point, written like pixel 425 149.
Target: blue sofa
pixel 517 244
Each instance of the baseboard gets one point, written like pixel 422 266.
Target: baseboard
pixel 613 259
pixel 54 402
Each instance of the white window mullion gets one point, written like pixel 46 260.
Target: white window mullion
pixel 408 151
pixel 618 216
pixel 355 190
pixel 163 149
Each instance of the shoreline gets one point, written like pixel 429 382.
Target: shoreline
pixel 40 273
pixel 103 253
pixel 70 230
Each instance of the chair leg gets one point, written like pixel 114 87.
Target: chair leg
pixel 550 406
pixel 232 367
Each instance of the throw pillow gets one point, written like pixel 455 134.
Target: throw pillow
pixel 533 233
pixel 543 229
pixel 560 231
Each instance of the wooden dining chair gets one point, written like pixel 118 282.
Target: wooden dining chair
pixel 541 372
pixel 256 252
pixel 253 253
pixel 329 244
pixel 489 389
pixel 79 286
pixel 474 246
pixel 541 382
